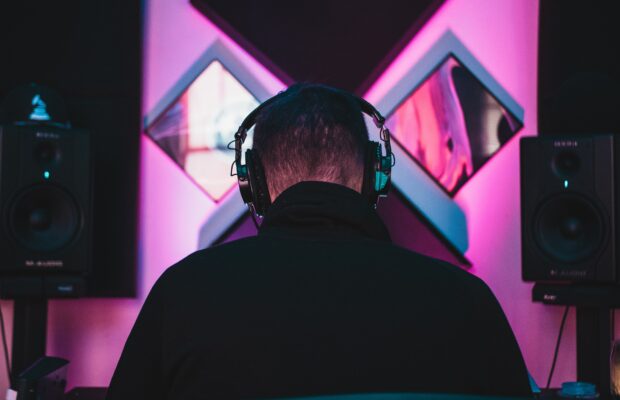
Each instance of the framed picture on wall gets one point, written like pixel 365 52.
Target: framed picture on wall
pixel 448 117
pixel 197 118
pixel 194 130
pixel 451 124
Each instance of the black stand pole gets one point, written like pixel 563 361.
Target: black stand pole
pixel 595 305
pixel 594 336
pixel 29 334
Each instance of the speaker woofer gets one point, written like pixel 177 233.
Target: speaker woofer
pixel 569 228
pixel 44 218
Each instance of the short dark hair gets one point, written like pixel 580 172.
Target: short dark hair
pixel 312 132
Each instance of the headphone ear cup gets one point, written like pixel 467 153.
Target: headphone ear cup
pixel 258 182
pixel 244 183
pixel 371 164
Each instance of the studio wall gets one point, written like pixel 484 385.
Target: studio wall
pixel 501 35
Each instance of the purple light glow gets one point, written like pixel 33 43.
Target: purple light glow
pixel 451 125
pixel 502 35
pixel 196 128
pixel 91 333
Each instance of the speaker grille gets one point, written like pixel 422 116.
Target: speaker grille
pixel 44 218
pixel 569 228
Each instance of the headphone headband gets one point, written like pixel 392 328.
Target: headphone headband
pixel 251 178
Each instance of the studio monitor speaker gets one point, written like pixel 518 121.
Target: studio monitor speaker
pixel 568 209
pixel 45 204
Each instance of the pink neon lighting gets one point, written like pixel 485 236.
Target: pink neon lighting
pixel 451 125
pixel 196 129
pixel 503 36
pixel 92 332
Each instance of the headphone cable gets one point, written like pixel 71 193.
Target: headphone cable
pixel 557 347
pixel 253 215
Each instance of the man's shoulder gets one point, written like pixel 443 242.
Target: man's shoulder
pixel 215 257
pixel 436 267
pixel 232 258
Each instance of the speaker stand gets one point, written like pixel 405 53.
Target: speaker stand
pixel 595 306
pixel 594 337
pixel 29 334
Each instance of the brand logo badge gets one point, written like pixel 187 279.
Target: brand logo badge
pixel 39 110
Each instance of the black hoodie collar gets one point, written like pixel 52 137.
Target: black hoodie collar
pixel 319 209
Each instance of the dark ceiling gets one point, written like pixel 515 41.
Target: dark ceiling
pixel 578 68
pixel 345 44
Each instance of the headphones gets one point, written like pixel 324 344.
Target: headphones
pixel 251 175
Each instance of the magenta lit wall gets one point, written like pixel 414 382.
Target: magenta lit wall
pixel 502 35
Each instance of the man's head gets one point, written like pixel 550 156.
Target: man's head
pixel 311 133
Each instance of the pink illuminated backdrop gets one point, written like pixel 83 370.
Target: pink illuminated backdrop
pixel 451 125
pixel 502 35
pixel 197 127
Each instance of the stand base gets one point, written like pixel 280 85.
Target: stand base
pixel 595 307
pixel 607 296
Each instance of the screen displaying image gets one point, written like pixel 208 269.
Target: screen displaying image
pixel 451 125
pixel 197 127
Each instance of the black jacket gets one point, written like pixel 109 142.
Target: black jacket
pixel 320 302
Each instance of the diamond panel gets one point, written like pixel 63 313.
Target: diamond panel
pixel 451 124
pixel 197 127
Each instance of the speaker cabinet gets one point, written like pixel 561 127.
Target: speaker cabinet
pixel 45 206
pixel 567 209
